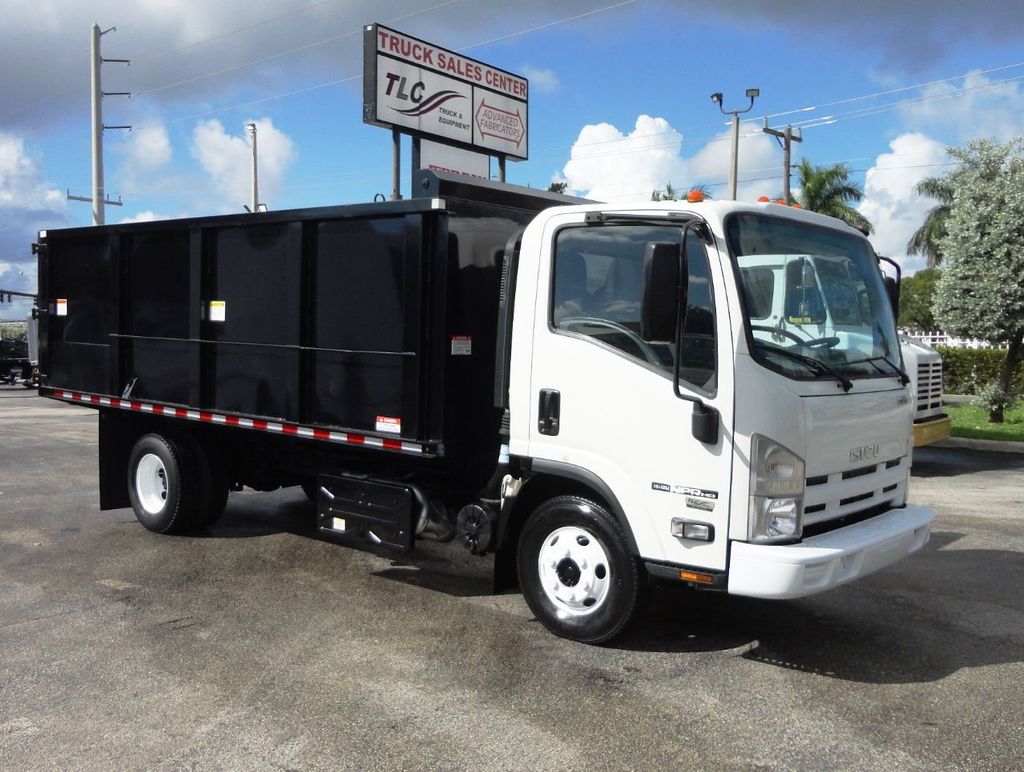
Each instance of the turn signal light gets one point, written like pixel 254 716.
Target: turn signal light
pixel 694 576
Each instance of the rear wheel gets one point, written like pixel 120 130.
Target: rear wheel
pixel 576 572
pixel 163 485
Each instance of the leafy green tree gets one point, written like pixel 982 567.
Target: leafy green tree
pixel 829 190
pixel 557 187
pixel 917 294
pixel 925 240
pixel 981 291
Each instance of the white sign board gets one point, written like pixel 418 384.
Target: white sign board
pixel 454 160
pixel 433 92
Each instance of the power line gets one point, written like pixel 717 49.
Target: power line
pixel 888 92
pixel 339 81
pixel 270 57
pixel 230 33
pixel 540 27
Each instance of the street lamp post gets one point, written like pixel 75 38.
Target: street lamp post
pixel 752 93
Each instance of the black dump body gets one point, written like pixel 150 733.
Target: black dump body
pixel 369 327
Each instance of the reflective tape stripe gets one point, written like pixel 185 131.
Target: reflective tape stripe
pixel 306 432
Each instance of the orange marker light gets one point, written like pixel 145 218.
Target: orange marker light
pixel 694 196
pixel 763 200
pixel 693 576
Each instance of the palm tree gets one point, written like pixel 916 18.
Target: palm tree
pixel 671 194
pixel 925 240
pixel 828 190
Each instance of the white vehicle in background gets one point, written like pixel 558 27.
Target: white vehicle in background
pixel 924 366
pixel 819 302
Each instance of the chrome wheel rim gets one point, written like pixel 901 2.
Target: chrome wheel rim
pixel 151 483
pixel 574 570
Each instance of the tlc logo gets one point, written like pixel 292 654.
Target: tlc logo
pixel 415 94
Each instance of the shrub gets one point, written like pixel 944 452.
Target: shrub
pixel 13 331
pixel 966 370
pixel 993 398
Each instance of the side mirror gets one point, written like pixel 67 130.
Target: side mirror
pixel 704 423
pixel 664 291
pixel 892 289
pixel 892 286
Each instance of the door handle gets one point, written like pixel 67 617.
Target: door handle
pixel 550 408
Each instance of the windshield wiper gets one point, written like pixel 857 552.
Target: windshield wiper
pixel 873 361
pixel 811 363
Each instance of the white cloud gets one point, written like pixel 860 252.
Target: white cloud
pixel 228 159
pixel 611 166
pixel 28 203
pixel 149 216
pixel 149 148
pixel 21 184
pixel 542 80
pixel 759 171
pixel 977 108
pixel 890 202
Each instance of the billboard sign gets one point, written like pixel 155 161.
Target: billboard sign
pixel 433 92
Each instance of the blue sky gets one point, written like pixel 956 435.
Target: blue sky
pixel 619 99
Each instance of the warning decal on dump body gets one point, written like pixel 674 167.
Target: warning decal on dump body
pixel 218 310
pixel 62 307
pixel 388 425
pixel 462 345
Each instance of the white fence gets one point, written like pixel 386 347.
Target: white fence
pixel 939 338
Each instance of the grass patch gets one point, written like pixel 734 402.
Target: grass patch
pixel 971 421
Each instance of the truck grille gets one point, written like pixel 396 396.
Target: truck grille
pixel 929 388
pixel 837 499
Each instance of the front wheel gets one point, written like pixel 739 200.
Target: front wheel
pixel 576 572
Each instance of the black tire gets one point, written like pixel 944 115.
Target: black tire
pixel 213 485
pixel 591 593
pixel 163 485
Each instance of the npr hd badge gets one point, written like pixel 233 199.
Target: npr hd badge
pixel 684 490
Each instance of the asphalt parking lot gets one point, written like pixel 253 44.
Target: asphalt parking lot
pixel 262 646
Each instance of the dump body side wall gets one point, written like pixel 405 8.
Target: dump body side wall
pixel 378 321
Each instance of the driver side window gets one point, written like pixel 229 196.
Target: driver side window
pixel 597 287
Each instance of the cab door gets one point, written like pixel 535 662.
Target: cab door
pixel 602 398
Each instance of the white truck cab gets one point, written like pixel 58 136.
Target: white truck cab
pixel 759 442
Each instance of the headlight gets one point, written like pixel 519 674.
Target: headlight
pixel 776 491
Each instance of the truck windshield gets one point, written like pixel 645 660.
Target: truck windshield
pixel 814 300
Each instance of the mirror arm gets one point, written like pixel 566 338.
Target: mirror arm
pixel 704 421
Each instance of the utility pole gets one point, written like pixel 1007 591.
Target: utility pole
pixel 99 198
pixel 752 94
pixel 255 172
pixel 785 139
